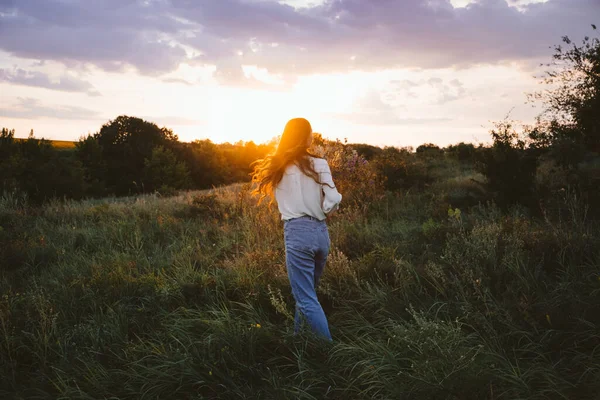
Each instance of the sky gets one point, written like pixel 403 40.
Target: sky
pixel 382 72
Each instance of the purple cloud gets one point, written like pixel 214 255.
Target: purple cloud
pixel 65 83
pixel 28 108
pixel 110 34
pixel 336 36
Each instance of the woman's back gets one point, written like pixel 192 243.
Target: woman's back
pixel 298 194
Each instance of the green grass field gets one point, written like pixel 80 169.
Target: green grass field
pixel 187 298
pixel 59 144
pixel 63 144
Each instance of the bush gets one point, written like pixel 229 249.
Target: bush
pixel 401 170
pixel 509 167
pixel 35 167
pixel 429 150
pixel 463 152
pixel 164 173
pixel 125 143
pixel 355 177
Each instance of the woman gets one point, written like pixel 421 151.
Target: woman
pixel 305 193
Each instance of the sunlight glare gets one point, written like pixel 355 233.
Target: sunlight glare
pixel 261 115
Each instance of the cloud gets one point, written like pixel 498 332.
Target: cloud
pixel 230 73
pixel 110 34
pixel 28 108
pixel 341 35
pixel 405 87
pixel 435 88
pixel 155 36
pixel 66 83
pixel 447 92
pixel 372 110
pixel 177 80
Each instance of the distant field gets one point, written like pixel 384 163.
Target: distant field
pixel 60 144
pixel 63 144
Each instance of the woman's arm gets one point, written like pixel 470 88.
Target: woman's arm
pixel 331 197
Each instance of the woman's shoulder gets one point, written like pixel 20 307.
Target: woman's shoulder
pixel 319 163
pixel 317 159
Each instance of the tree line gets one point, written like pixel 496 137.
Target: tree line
pixel 127 156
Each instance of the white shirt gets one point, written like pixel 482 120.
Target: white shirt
pixel 298 194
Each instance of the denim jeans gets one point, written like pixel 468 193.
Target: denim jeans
pixel 306 250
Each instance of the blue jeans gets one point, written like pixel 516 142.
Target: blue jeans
pixel 306 249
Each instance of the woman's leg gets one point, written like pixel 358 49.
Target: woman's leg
pixel 321 254
pixel 301 272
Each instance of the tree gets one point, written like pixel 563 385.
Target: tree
pixel 206 163
pixel 126 143
pixel 463 152
pixel 429 150
pixel 162 171
pixel 401 169
pixel 44 172
pixel 89 153
pixel 509 166
pixel 570 121
pixel 368 151
pixel 11 163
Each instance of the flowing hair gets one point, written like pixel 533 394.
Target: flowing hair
pixel 292 149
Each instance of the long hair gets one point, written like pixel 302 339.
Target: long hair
pixel 292 148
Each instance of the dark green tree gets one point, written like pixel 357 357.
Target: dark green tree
pixel 126 143
pixel 11 162
pixel 429 150
pixel 569 125
pixel 89 153
pixel 509 166
pixel 163 172
pixel 463 152
pixel 206 163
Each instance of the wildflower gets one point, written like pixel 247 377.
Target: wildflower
pixel 548 319
pixel 258 326
pixel 210 372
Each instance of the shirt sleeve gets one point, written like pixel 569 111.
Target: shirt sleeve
pixel 331 197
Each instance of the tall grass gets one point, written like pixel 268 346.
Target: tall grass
pixel 428 296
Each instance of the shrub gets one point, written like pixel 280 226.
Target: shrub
pixel 355 177
pixel 401 170
pixel 509 166
pixel 164 173
pixel 463 152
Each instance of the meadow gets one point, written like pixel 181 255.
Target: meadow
pixel 60 144
pixel 432 292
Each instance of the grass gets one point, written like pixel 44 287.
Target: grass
pixel 187 297
pixel 63 144
pixel 59 144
